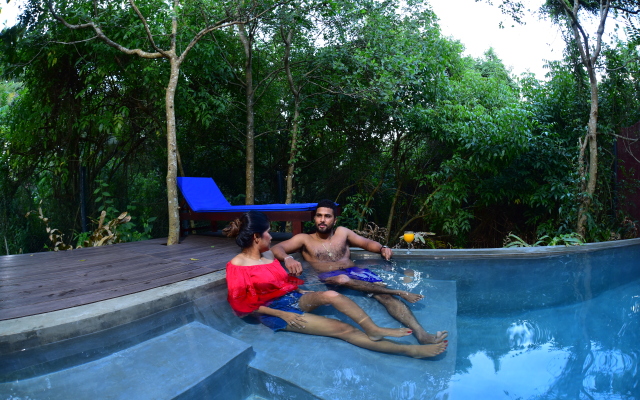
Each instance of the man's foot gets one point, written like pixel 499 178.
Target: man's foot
pixel 427 350
pixel 411 297
pixel 430 338
pixel 378 333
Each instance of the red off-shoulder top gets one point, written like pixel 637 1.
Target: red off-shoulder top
pixel 253 286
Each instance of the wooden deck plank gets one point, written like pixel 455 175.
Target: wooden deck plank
pixel 68 302
pixel 75 266
pixel 92 282
pixel 79 288
pixel 49 281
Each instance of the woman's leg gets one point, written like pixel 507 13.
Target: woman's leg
pixel 312 300
pixel 321 326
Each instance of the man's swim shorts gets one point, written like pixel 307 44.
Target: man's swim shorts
pixel 361 274
pixel 288 303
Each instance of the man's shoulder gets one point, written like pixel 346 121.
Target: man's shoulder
pixel 300 238
pixel 341 230
pixel 343 233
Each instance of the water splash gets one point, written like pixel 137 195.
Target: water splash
pixel 526 333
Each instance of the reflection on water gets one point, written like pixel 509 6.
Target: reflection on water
pixel 517 374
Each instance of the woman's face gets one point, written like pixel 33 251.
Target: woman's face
pixel 264 242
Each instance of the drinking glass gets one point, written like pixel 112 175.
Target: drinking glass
pixel 408 237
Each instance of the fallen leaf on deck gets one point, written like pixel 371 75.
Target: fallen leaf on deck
pixel 193 259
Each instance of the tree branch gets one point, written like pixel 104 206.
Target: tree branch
pixel 77 41
pixel 146 28
pixel 102 36
pixel 604 11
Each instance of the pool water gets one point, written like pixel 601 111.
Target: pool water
pixel 560 327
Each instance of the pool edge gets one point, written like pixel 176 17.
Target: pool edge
pixel 518 252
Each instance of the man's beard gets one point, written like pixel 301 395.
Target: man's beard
pixel 325 229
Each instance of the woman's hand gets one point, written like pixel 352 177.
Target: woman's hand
pixel 294 320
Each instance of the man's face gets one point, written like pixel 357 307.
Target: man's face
pixel 324 219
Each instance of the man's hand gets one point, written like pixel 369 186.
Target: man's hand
pixel 386 252
pixel 293 266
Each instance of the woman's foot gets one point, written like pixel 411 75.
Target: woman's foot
pixel 378 333
pixel 427 350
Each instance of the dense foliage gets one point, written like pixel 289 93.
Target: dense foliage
pixel 389 119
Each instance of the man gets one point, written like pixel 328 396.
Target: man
pixel 328 253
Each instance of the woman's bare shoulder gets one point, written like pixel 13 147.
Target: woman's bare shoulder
pixel 242 261
pixel 237 260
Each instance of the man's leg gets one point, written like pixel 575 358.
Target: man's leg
pixel 370 287
pixel 402 313
pixel 396 308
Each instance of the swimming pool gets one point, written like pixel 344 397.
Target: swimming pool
pixel 562 326
pixel 523 325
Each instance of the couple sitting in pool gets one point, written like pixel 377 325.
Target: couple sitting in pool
pixel 260 286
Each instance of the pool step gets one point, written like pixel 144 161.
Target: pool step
pixel 191 362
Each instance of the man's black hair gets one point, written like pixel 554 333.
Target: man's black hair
pixel 328 204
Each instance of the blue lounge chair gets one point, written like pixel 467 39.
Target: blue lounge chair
pixel 205 202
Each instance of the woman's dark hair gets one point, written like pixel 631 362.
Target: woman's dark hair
pixel 245 227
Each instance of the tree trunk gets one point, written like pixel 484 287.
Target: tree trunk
pixel 172 159
pixel 366 205
pixel 247 42
pixel 391 212
pixel 288 39
pixel 293 152
pixel 588 181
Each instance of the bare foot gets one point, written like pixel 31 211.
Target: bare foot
pixel 378 333
pixel 427 350
pixel 411 297
pixel 430 338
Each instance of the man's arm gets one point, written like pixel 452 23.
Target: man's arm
pixel 281 252
pixel 370 245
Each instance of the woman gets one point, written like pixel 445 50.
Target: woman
pixel 259 285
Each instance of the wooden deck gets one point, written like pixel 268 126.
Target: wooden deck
pixel 42 282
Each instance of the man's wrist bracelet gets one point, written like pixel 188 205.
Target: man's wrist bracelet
pixel 383 247
pixel 287 257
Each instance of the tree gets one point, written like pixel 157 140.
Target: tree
pixel 569 14
pixel 166 16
